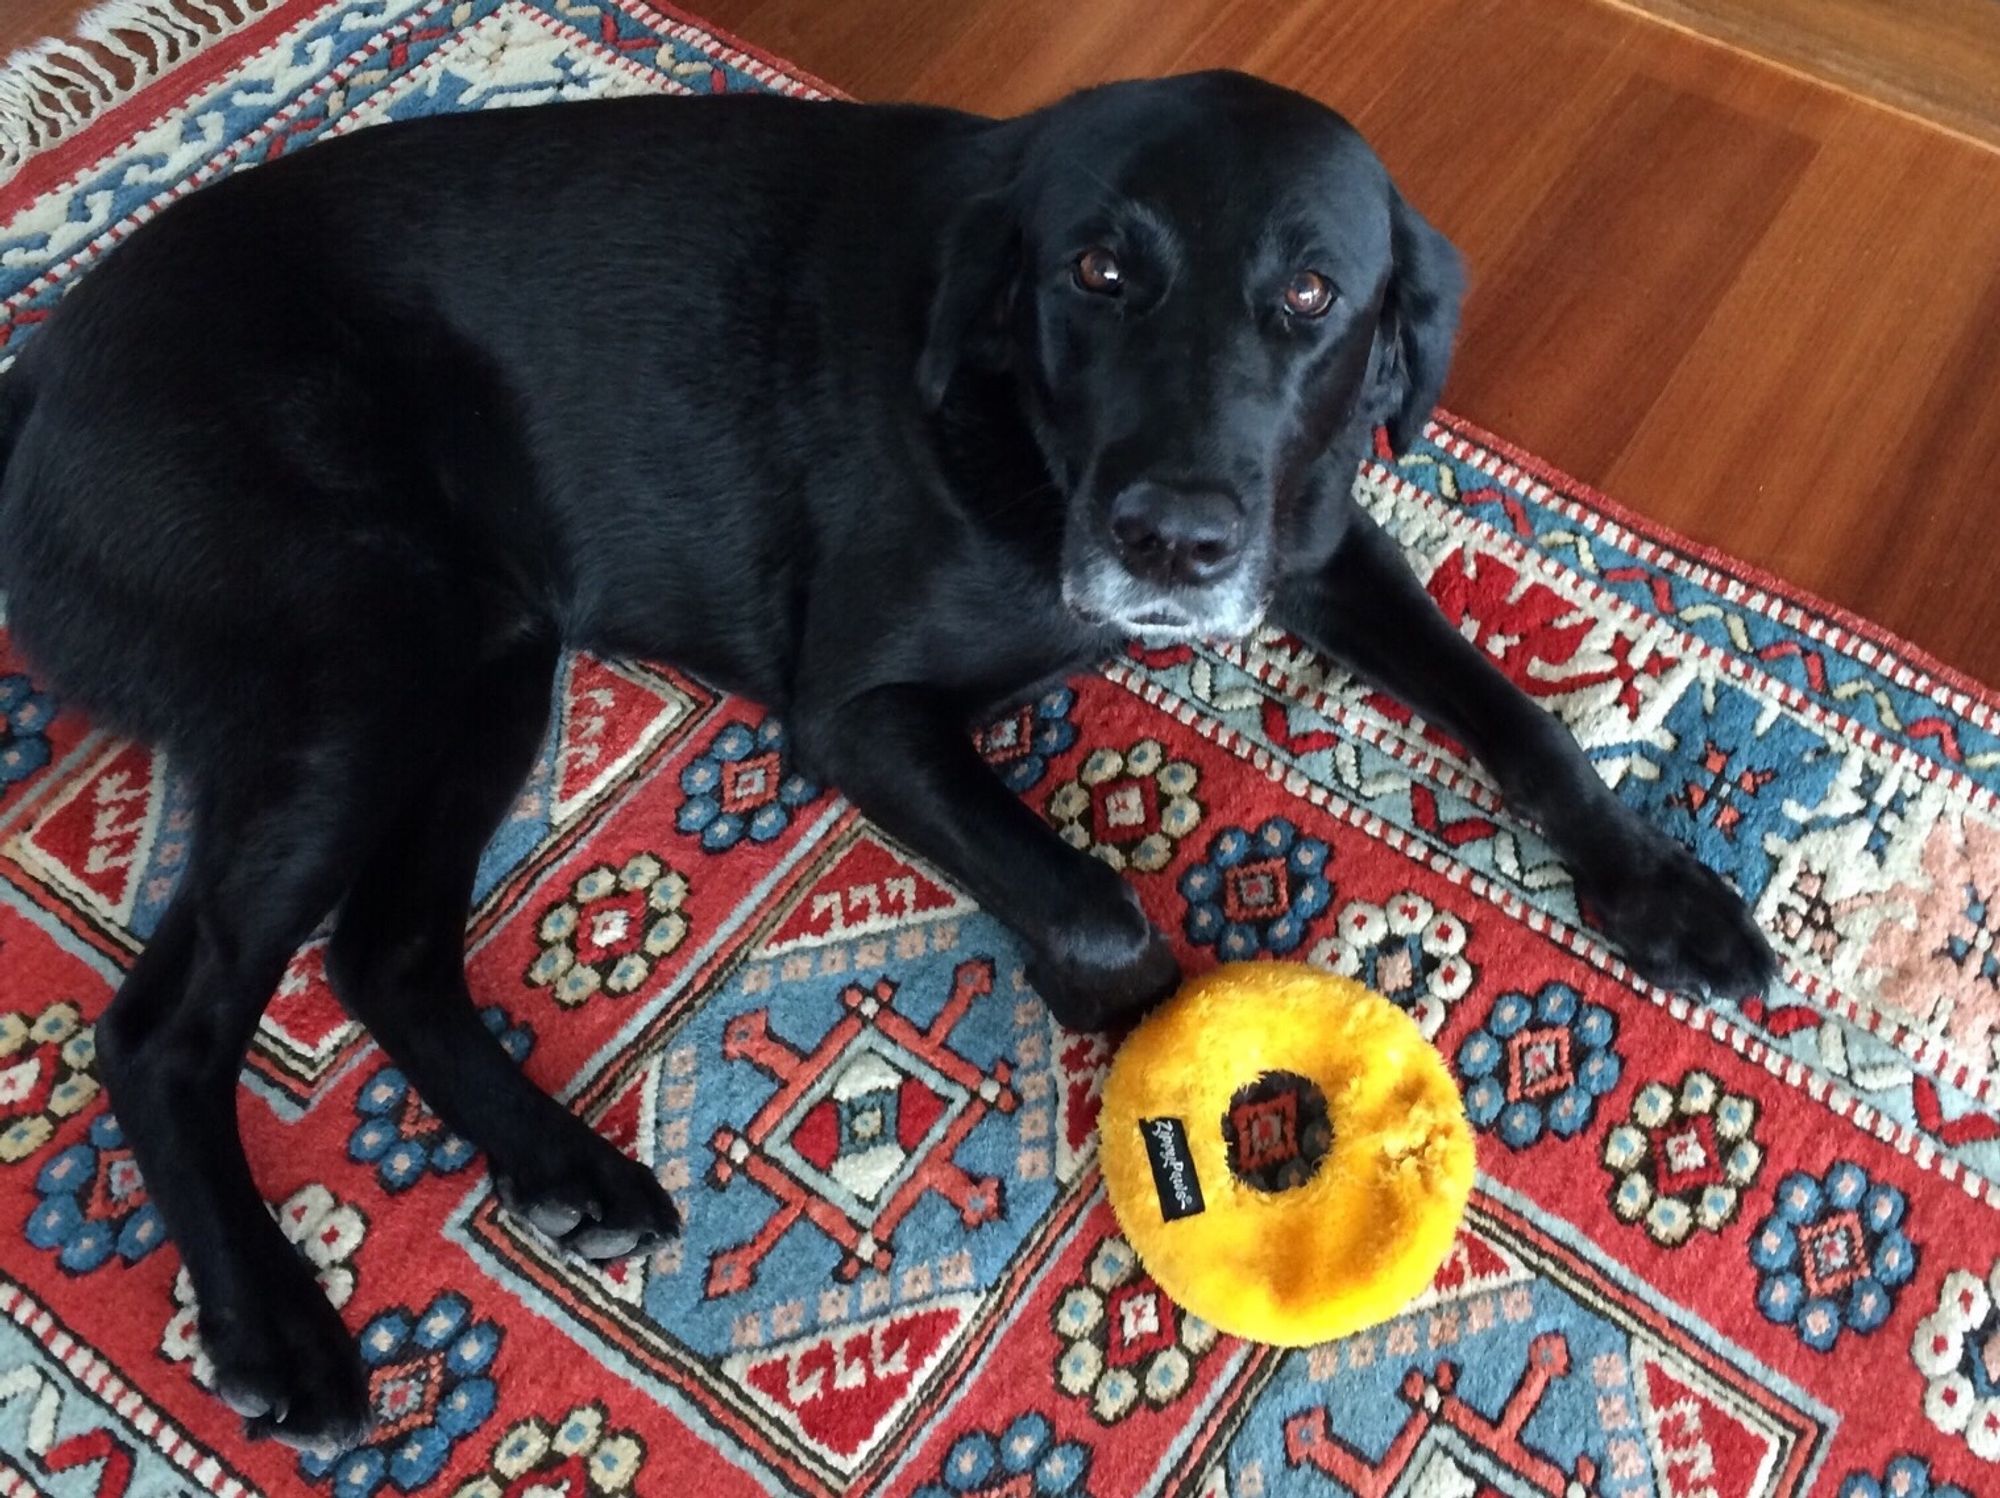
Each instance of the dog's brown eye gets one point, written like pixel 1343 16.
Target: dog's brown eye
pixel 1309 294
pixel 1097 270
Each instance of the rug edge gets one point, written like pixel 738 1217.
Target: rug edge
pixel 731 39
pixel 53 164
pixel 40 79
pixel 1894 649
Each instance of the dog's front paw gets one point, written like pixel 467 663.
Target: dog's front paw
pixel 1678 922
pixel 579 1189
pixel 1106 968
pixel 286 1364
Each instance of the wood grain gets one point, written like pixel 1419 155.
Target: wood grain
pixel 1760 309
pixel 1936 59
pixel 25 21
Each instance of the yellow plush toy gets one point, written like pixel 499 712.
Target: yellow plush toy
pixel 1286 1153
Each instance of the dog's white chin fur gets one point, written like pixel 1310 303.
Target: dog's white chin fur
pixel 1109 596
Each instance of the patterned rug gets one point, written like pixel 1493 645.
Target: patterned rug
pixel 1714 1250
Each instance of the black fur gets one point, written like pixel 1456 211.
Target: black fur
pixel 312 479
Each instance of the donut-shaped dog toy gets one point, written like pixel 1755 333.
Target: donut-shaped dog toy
pixel 1285 1152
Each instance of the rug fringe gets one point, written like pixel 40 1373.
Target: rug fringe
pixel 51 88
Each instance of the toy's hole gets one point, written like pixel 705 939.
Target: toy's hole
pixel 1277 1131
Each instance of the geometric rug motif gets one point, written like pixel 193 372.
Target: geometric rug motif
pixel 1715 1248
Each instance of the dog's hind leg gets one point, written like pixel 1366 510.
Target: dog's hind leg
pixel 275 842
pixel 398 963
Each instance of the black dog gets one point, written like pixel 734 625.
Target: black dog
pixel 314 477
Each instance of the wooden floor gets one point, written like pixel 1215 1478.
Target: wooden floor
pixel 1937 59
pixel 1760 309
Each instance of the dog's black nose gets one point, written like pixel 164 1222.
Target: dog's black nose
pixel 1176 536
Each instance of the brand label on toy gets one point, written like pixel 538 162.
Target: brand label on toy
pixel 1173 1167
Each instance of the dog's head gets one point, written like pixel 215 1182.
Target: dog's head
pixel 1200 284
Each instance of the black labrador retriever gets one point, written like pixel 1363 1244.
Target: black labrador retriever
pixel 314 477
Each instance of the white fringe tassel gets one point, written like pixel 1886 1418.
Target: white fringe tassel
pixel 50 88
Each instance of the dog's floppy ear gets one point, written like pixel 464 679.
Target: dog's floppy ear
pixel 977 258
pixel 978 254
pixel 1419 321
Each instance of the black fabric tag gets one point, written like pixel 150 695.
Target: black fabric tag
pixel 1173 1167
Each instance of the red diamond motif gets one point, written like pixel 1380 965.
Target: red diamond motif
pixel 1009 739
pixel 750 783
pixel 1267 1131
pixel 1832 1254
pixel 117 1188
pixel 611 927
pixel 1684 1156
pixel 1124 810
pixel 1538 1063
pixel 403 1395
pixel 25 1086
pixel 1256 891
pixel 1142 1322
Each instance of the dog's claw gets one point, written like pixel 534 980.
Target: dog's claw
pixel 604 1243
pixel 587 1197
pixel 287 1366
pixel 557 1219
